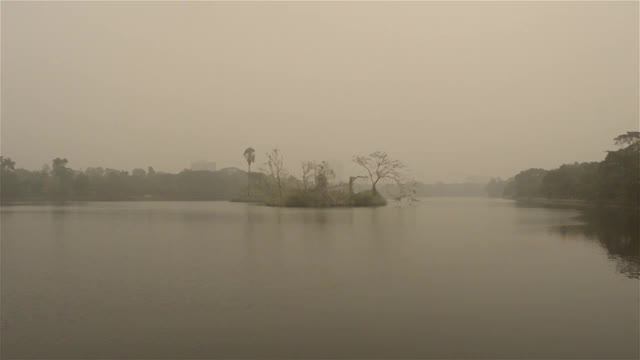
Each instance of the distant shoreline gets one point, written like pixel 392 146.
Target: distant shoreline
pixel 561 203
pixel 573 203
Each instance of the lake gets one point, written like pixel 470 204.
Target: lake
pixel 447 277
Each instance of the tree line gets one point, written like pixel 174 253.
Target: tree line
pixel 273 184
pixel 616 179
pixel 58 182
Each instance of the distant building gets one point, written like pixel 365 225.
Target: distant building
pixel 203 165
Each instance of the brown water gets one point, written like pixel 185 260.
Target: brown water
pixel 446 278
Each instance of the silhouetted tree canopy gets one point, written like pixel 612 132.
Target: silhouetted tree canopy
pixel 58 182
pixel 250 156
pixel 616 179
pixel 380 167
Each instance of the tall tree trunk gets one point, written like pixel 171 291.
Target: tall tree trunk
pixel 249 181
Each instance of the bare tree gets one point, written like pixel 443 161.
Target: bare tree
pixel 275 169
pixel 352 180
pixel 250 156
pixel 380 167
pixel 307 168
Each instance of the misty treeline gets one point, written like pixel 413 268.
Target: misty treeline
pixel 463 189
pixel 273 184
pixel 59 182
pixel 616 179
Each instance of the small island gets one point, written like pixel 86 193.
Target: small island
pixel 274 185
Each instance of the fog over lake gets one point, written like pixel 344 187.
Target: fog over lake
pixel 447 278
pixel 456 90
pixel 320 179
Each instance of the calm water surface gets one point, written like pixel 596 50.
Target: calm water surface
pixel 446 278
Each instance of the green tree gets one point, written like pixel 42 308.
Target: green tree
pixel 571 181
pixel 9 181
pixel 323 174
pixel 250 157
pixel 528 183
pixel 82 186
pixel 6 164
pixel 630 138
pixel 138 172
pixel 495 187
pixel 620 172
pixel 62 179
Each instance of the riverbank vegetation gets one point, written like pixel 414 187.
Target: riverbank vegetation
pixel 273 184
pixel 59 182
pixel 614 180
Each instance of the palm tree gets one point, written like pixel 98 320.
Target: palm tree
pixel 250 156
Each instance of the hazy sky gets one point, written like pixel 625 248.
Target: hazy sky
pixel 453 90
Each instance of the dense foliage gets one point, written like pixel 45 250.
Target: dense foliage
pixel 59 183
pixel 616 179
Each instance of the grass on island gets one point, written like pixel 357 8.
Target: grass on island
pixel 315 199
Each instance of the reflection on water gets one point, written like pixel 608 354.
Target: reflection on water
pixel 447 278
pixel 615 229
